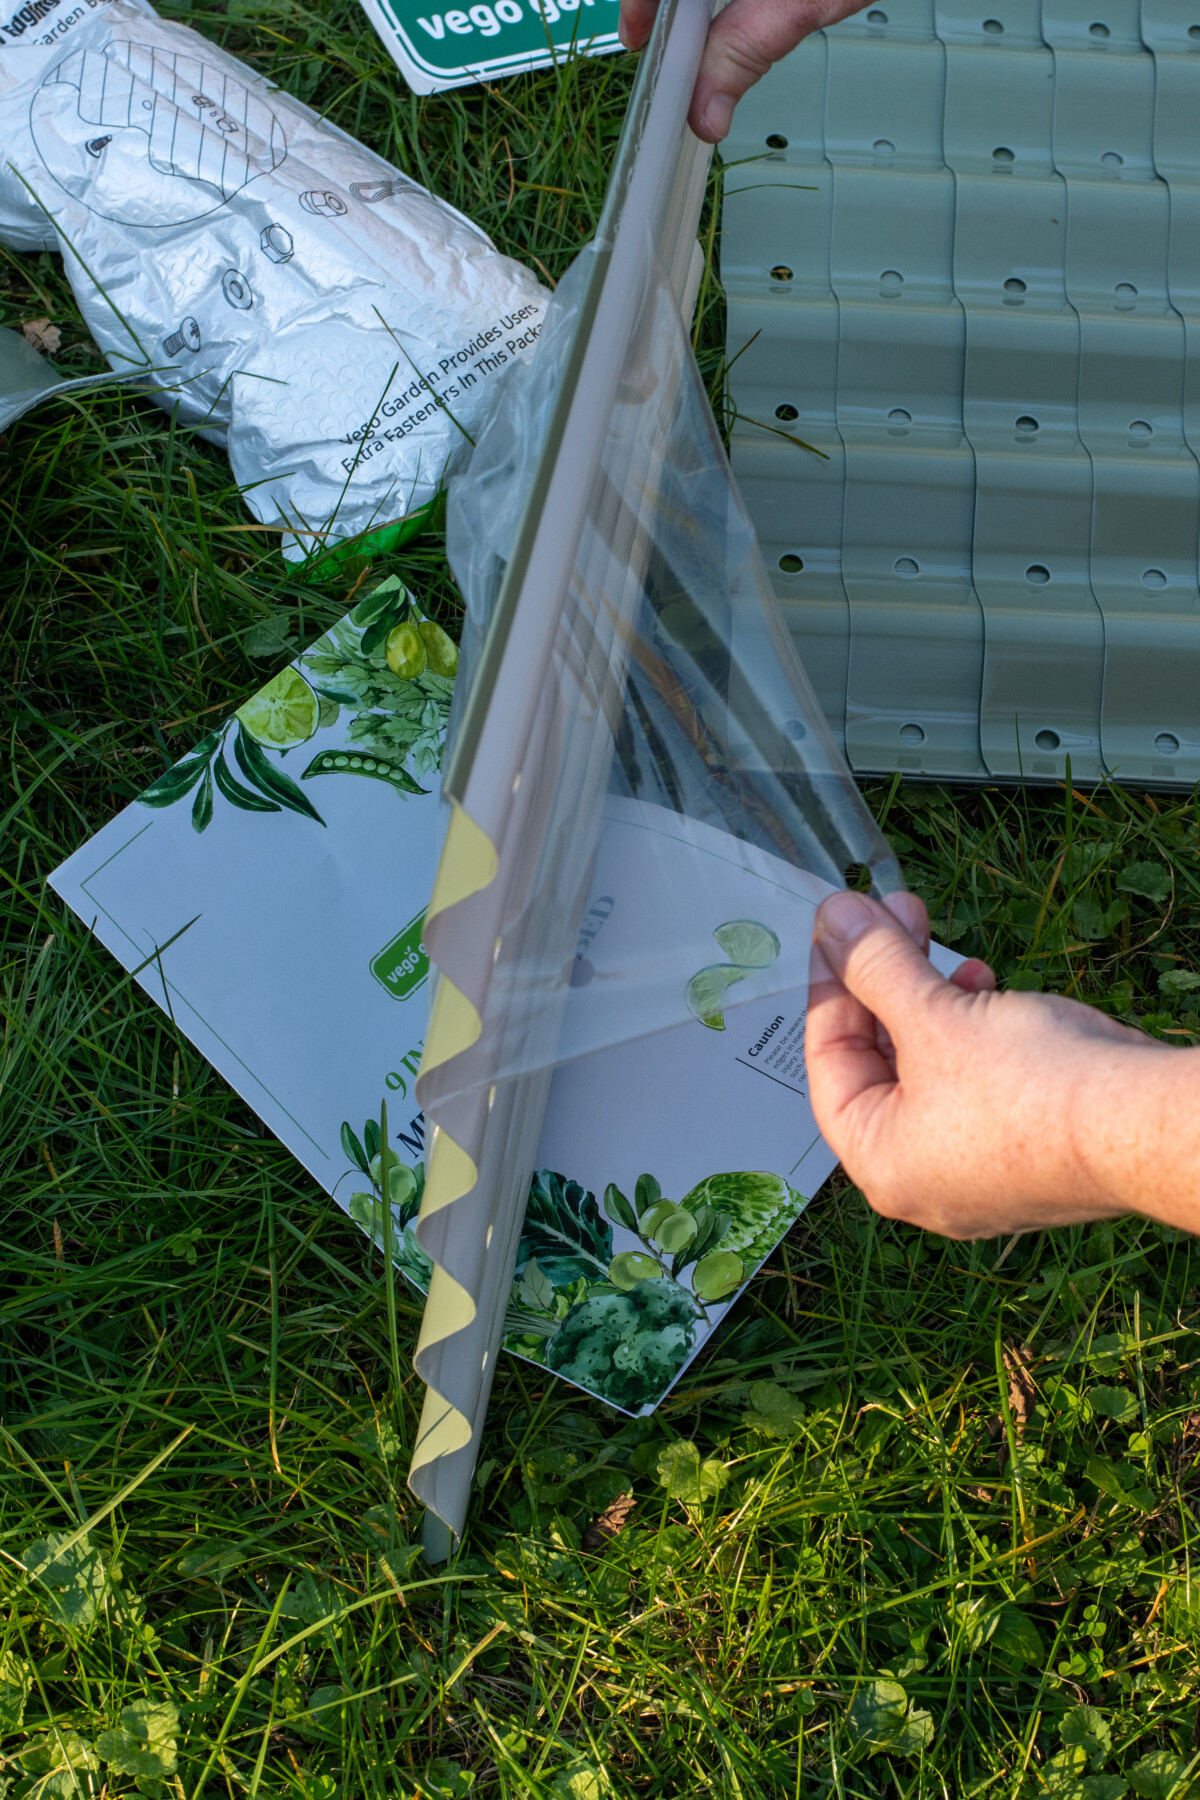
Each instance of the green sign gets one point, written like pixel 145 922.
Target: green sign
pixel 437 49
pixel 402 965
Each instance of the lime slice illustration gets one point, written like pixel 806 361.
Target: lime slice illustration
pixel 286 712
pixel 706 993
pixel 748 943
pixel 406 652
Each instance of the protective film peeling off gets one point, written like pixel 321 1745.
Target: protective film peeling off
pixel 631 700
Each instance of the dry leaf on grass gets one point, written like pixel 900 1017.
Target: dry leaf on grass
pixel 611 1521
pixel 1022 1395
pixel 42 335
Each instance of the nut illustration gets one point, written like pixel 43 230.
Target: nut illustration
pixel 329 206
pixel 186 338
pixel 276 242
pixel 237 290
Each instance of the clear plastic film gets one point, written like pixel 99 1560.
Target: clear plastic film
pixel 631 698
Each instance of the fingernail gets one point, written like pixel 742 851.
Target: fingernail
pixel 844 917
pixel 622 33
pixel 717 117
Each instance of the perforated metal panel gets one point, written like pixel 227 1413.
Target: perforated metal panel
pixel 961 248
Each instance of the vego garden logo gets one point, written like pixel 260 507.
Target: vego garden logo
pixel 402 966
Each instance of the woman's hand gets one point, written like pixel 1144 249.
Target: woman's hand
pixel 974 1113
pixel 743 42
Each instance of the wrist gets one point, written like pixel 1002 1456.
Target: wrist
pixel 1134 1127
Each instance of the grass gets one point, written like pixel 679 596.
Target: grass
pixel 920 1523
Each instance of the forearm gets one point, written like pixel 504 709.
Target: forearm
pixel 1136 1132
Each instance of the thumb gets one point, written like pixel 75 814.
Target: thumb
pixel 874 957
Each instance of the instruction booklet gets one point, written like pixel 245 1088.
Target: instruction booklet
pixel 269 891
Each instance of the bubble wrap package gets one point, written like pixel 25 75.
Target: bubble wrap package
pixel 308 307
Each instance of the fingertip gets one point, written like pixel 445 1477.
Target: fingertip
pixel 711 116
pixel 974 977
pixel 909 910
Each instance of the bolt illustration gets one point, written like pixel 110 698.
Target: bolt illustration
pixel 329 206
pixel 237 290
pixel 186 338
pixel 276 242
pixel 95 146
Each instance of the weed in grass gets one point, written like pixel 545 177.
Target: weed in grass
pixel 919 1523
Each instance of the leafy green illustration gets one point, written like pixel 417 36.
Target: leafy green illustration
pixel 267 777
pixel 565 1230
pixel 629 1267
pixel 628 1348
pixel 389 663
pixel 716 1275
pixel 353 1148
pixel 749 946
pixel 760 1208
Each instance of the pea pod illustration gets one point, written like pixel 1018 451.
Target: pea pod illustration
pixel 361 762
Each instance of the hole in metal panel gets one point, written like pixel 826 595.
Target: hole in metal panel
pixel 1112 159
pixel 1141 428
pixel 1014 285
pixel 891 278
pixel 1027 423
pixel 883 146
pixel 899 415
pixel 875 17
pixel 1166 743
pixel 787 412
pixel 1002 154
pixel 1154 578
pixel 777 141
pixel 791 564
pixel 912 734
pixel 1098 30
pixel 781 272
pixel 1126 290
pixel 796 729
pixel 993 27
pixel 1194 31
pixel 906 568
pixel 1038 573
pixel 1047 740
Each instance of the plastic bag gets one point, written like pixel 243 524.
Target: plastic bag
pixel 631 692
pixel 303 302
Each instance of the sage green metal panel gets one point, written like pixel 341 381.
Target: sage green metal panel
pixel 1146 482
pixel 916 632
pixel 783 339
pixel 1043 664
pixel 1070 132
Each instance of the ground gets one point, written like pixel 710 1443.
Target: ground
pixel 919 1524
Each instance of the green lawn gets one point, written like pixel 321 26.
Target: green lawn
pixel 919 1524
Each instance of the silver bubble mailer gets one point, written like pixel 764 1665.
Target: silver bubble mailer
pixel 305 305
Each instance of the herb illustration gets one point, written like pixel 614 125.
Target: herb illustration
pixel 613 1298
pixel 394 668
pixel 405 1186
pixel 749 946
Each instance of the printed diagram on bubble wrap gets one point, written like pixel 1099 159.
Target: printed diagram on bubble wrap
pixel 150 137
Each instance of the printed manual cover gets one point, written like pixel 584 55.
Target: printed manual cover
pixel 269 892
pixel 436 50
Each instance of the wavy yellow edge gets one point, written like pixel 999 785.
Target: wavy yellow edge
pixel 469 862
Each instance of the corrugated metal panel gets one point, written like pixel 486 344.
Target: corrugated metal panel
pixel 961 247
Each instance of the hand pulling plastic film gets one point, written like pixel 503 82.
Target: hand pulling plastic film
pixel 622 638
